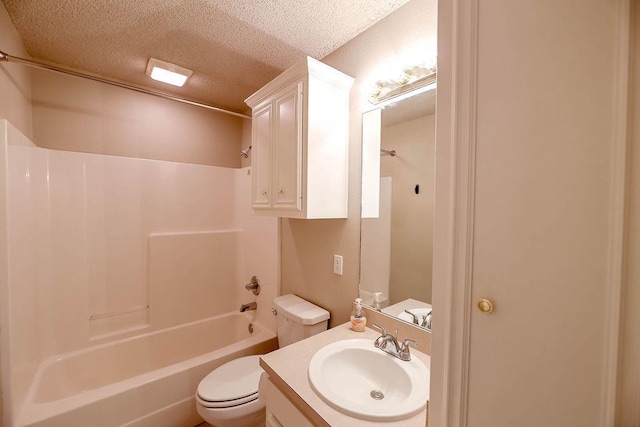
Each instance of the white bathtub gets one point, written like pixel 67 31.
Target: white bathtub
pixel 148 380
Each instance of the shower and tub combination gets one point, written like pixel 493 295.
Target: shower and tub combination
pixel 124 279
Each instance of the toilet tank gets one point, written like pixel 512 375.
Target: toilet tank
pixel 297 319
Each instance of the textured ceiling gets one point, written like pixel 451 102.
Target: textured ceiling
pixel 233 46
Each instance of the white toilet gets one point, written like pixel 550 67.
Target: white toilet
pixel 228 396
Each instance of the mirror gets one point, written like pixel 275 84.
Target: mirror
pixel 397 228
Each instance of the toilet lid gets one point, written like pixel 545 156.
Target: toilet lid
pixel 235 381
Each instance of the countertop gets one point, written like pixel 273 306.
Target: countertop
pixel 287 368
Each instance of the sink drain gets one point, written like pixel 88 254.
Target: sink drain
pixel 376 394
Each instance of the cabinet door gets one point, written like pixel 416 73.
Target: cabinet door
pixel 261 156
pixel 281 412
pixel 287 149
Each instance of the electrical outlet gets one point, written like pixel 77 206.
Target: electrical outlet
pixel 337 264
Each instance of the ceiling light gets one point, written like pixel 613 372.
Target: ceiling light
pixel 167 72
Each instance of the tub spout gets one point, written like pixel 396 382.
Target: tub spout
pixel 250 306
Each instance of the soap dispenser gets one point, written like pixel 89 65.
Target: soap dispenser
pixel 376 301
pixel 358 318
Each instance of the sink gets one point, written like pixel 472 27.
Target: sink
pixel 362 381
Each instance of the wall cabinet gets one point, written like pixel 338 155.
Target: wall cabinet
pixel 300 143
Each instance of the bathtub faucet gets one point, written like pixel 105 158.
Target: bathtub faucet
pixel 250 306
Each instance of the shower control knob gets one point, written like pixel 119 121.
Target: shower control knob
pixel 485 306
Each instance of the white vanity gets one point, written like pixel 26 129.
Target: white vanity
pixel 290 398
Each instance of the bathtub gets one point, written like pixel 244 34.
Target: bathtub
pixel 147 380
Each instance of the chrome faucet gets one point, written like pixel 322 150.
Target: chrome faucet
pixel 401 351
pixel 250 306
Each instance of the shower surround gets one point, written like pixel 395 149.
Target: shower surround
pixel 98 249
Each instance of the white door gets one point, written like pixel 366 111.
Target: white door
pixel 527 202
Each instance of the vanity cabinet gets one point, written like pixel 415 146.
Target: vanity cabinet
pixel 300 143
pixel 280 411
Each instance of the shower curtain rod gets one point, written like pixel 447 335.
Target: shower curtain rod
pixel 5 57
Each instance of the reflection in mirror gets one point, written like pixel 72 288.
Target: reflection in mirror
pixel 397 229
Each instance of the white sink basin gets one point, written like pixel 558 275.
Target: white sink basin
pixel 362 381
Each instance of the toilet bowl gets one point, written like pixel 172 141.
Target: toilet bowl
pixel 229 396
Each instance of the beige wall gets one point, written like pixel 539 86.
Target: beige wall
pixel 308 246
pixel 75 114
pixel 412 214
pixel 15 79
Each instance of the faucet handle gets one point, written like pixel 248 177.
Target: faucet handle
pixel 406 341
pixel 404 353
pixel 253 286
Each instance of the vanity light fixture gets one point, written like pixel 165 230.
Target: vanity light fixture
pixel 409 80
pixel 167 72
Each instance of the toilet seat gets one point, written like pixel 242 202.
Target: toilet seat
pixel 227 403
pixel 232 384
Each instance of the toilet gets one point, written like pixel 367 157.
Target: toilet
pixel 229 396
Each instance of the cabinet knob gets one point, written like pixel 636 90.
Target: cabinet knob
pixel 485 306
pixel 264 193
pixel 280 191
